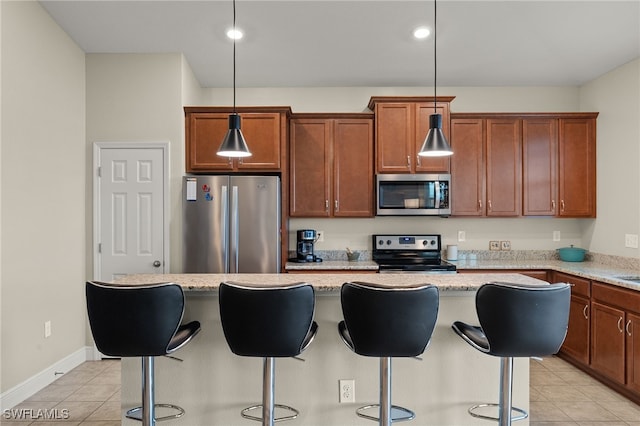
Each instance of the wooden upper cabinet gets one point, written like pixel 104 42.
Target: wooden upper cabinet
pixel 539 167
pixel 577 167
pixel 467 166
pixel 486 175
pixel 402 124
pixel 264 128
pixel 331 158
pixel 559 165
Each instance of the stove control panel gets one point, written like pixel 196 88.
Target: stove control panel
pixel 407 242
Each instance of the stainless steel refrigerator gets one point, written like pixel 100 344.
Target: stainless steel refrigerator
pixel 231 224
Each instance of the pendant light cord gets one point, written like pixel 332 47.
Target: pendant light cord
pixel 435 57
pixel 234 56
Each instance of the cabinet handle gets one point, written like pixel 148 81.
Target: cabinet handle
pixel 326 205
pixel 561 205
pixel 335 205
pixel 418 160
pixel 408 161
pixel 230 160
pixel 584 311
pixel 620 325
pixel 489 203
pixel 480 204
pixel 553 205
pixel 626 327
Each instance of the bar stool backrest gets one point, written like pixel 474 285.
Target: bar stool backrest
pixel 385 321
pixel 266 321
pixel 133 321
pixel 523 320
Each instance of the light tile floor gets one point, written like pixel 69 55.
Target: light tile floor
pixel 561 395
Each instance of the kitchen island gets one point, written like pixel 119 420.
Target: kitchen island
pixel 213 385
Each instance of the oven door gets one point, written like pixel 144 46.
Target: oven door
pixel 413 195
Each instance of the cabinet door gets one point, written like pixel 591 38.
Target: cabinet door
pixel 539 166
pixel 310 162
pixel 467 167
pixel 353 168
pixel 430 164
pixel 204 134
pixel 395 133
pixel 632 330
pixel 576 343
pixel 262 133
pixel 504 167
pixel 577 167
pixel 608 341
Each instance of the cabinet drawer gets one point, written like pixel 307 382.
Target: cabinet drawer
pixel 616 296
pixel 579 286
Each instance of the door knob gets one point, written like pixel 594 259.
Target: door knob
pixel 157 263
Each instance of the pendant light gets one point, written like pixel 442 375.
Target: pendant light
pixel 435 144
pixel 233 144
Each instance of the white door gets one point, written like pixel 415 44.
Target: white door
pixel 130 209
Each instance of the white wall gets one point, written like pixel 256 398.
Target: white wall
pixel 42 194
pixel 616 95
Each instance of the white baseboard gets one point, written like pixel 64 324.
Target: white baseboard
pixel 34 384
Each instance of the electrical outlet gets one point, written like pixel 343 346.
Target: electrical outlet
pixel 631 240
pixel 462 236
pixel 320 236
pixel 556 235
pixel 505 245
pixel 347 391
pixel 47 328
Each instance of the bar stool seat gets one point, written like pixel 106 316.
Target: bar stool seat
pixel 387 322
pixel 140 321
pixel 516 320
pixel 268 322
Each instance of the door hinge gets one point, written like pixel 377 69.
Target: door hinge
pixel 99 247
pixel 99 171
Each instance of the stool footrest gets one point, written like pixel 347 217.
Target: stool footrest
pixel 398 414
pixel 136 413
pixel 523 413
pixel 295 412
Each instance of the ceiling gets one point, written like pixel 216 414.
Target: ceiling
pixel 311 43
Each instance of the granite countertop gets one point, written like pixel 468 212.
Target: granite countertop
pixel 329 282
pixel 588 269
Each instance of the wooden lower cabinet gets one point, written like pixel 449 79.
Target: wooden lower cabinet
pixel 576 343
pixel 608 341
pixel 632 331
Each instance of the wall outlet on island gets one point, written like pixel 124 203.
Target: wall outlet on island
pixel 347 390
pixel 319 236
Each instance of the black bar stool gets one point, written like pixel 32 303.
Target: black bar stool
pixel 385 322
pixel 516 320
pixel 268 322
pixel 140 321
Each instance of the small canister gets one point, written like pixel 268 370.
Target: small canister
pixel 452 252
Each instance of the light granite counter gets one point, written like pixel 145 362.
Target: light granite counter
pixel 327 282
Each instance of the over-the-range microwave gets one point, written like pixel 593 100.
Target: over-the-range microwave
pixel 413 194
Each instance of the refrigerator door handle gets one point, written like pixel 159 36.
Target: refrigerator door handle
pixel 235 231
pixel 224 205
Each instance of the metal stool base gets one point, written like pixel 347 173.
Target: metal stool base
pixel 398 414
pixel 136 413
pixel 295 412
pixel 523 414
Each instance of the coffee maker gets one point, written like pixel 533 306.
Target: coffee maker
pixel 306 238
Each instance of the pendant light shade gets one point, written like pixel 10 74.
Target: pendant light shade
pixel 233 144
pixel 435 144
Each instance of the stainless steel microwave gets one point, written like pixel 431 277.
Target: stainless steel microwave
pixel 413 194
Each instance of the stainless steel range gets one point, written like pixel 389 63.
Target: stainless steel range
pixel 410 254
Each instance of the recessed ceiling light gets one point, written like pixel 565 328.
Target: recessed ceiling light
pixel 421 33
pixel 235 34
